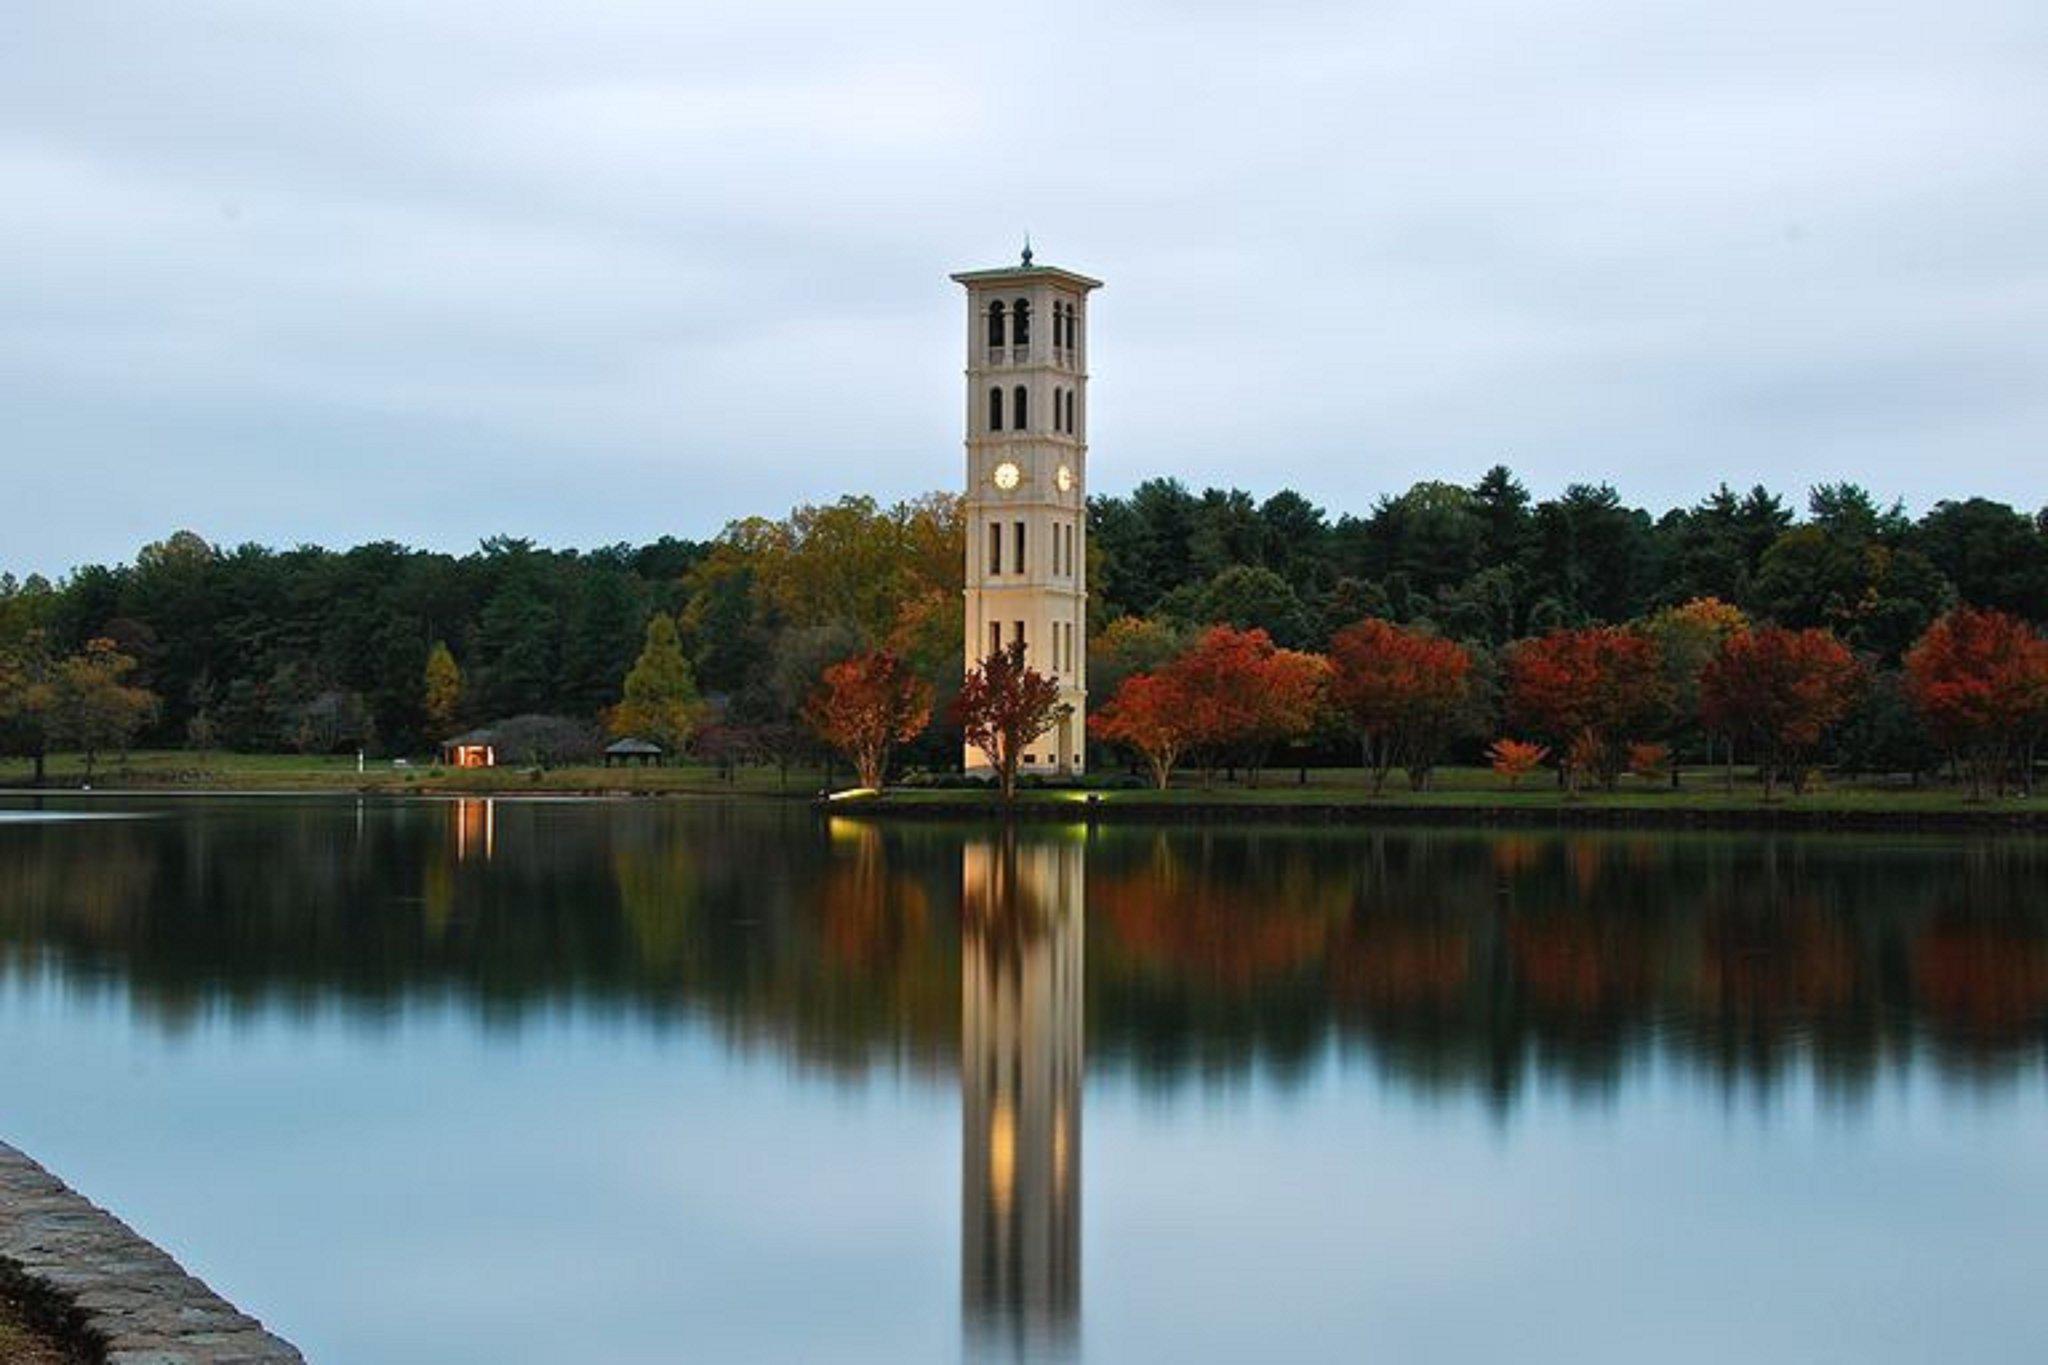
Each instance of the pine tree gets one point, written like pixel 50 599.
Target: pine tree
pixel 660 701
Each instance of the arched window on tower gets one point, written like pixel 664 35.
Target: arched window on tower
pixel 1019 411
pixel 995 408
pixel 1063 325
pixel 1070 412
pixel 995 323
pixel 1059 404
pixel 1020 323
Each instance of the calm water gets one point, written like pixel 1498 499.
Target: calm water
pixel 508 1081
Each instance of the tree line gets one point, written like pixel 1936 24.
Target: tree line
pixel 389 648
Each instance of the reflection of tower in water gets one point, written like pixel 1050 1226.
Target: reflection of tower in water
pixel 476 828
pixel 1020 1091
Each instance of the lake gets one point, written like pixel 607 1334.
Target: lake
pixel 505 1081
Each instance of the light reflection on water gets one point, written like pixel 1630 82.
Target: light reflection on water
pixel 615 1078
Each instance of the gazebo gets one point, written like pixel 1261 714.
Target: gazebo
pixel 626 752
pixel 474 749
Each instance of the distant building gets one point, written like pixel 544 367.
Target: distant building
pixel 1027 485
pixel 476 749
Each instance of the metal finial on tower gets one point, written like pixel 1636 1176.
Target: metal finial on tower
pixel 1027 248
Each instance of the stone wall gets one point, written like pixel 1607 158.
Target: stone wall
pixel 135 1302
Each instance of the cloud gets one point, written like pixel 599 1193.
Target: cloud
pixel 589 273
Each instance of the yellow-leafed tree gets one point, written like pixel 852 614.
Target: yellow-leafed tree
pixel 443 689
pixel 660 701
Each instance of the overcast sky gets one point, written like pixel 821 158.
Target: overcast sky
pixel 433 270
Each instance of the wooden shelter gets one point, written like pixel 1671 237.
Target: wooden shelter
pixel 630 750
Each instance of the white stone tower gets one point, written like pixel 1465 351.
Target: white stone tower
pixel 1027 483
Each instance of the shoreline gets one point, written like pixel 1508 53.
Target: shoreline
pixel 1779 816
pixel 1863 812
pixel 105 1289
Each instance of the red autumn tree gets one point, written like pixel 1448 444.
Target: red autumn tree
pixel 1243 694
pixel 1979 680
pixel 1779 691
pixel 1004 704
pixel 1403 691
pixel 1150 715
pixel 1588 692
pixel 865 706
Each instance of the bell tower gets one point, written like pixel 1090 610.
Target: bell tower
pixel 1027 485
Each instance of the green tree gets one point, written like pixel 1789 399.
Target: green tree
pixel 1247 596
pixel 516 642
pixel 660 701
pixel 1995 556
pixel 597 648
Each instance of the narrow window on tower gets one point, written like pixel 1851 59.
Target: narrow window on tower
pixel 1017 633
pixel 1020 323
pixel 1019 408
pixel 995 637
pixel 995 408
pixel 995 323
pixel 1070 412
pixel 1018 556
pixel 995 547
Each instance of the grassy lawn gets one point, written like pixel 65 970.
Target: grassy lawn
pixel 1482 789
pixel 1474 788
pixel 177 769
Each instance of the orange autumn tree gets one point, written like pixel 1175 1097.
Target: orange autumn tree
pixel 1004 704
pixel 1979 680
pixel 1588 692
pixel 1243 694
pixel 1296 693
pixel 1404 692
pixel 1515 759
pixel 1150 716
pixel 1780 691
pixel 866 705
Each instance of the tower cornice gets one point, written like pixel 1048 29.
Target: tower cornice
pixel 1026 274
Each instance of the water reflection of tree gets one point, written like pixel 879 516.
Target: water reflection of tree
pixel 1452 959
pixel 1468 960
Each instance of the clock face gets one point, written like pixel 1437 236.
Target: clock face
pixel 1007 475
pixel 1065 479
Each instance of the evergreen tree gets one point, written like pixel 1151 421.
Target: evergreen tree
pixel 660 701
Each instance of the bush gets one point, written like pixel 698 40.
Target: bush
pixel 548 741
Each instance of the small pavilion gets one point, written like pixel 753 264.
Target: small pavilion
pixel 626 752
